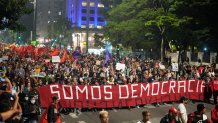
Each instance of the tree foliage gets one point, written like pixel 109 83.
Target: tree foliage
pixel 60 30
pixel 146 23
pixel 12 10
pixel 98 40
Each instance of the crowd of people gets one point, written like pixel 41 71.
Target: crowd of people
pixel 20 98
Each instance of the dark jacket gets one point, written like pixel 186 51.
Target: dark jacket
pixel 167 119
pixel 195 117
pixel 31 108
pixel 52 113
pixel 24 106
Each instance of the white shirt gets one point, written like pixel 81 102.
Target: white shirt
pixel 183 111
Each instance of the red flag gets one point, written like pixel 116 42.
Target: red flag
pixel 55 52
pixel 64 56
pixel 21 49
pixel 36 51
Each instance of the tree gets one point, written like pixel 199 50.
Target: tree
pixel 110 3
pixel 60 30
pixel 205 22
pixel 126 24
pixel 170 28
pixel 148 23
pixel 11 11
pixel 98 40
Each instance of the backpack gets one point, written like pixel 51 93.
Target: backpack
pixel 196 119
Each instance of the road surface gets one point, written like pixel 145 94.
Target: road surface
pixel 130 116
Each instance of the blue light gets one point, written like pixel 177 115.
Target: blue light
pixel 74 13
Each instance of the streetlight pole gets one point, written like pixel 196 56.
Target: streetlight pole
pixel 61 36
pixel 33 37
pixel 87 25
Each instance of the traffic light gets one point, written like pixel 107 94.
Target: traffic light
pixel 118 49
pixel 19 38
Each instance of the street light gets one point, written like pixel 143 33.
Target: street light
pixel 61 36
pixel 4 20
pixel 205 49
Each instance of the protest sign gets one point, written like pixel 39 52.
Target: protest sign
pixel 56 59
pixel 162 67
pixel 107 96
pixel 38 74
pixel 120 66
pixel 28 59
pixel 175 67
pixel 4 58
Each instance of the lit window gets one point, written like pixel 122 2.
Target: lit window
pixel 83 26
pixel 100 5
pixel 91 25
pixel 92 4
pixel 84 4
pixel 99 27
pixel 72 5
pixel 59 13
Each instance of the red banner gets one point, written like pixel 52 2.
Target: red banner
pixel 107 96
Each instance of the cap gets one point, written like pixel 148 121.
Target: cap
pixel 200 107
pixel 183 98
pixel 173 110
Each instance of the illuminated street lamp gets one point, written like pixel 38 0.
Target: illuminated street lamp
pixel 205 49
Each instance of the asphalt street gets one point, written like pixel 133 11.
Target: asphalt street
pixel 130 116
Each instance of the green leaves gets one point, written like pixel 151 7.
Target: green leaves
pixel 13 10
pixel 61 27
pixel 137 23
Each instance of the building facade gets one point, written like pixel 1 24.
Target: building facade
pixel 85 16
pixel 48 11
pixel 86 20
pixel 77 13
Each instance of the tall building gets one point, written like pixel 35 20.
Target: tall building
pixel 48 11
pixel 86 20
pixel 85 16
